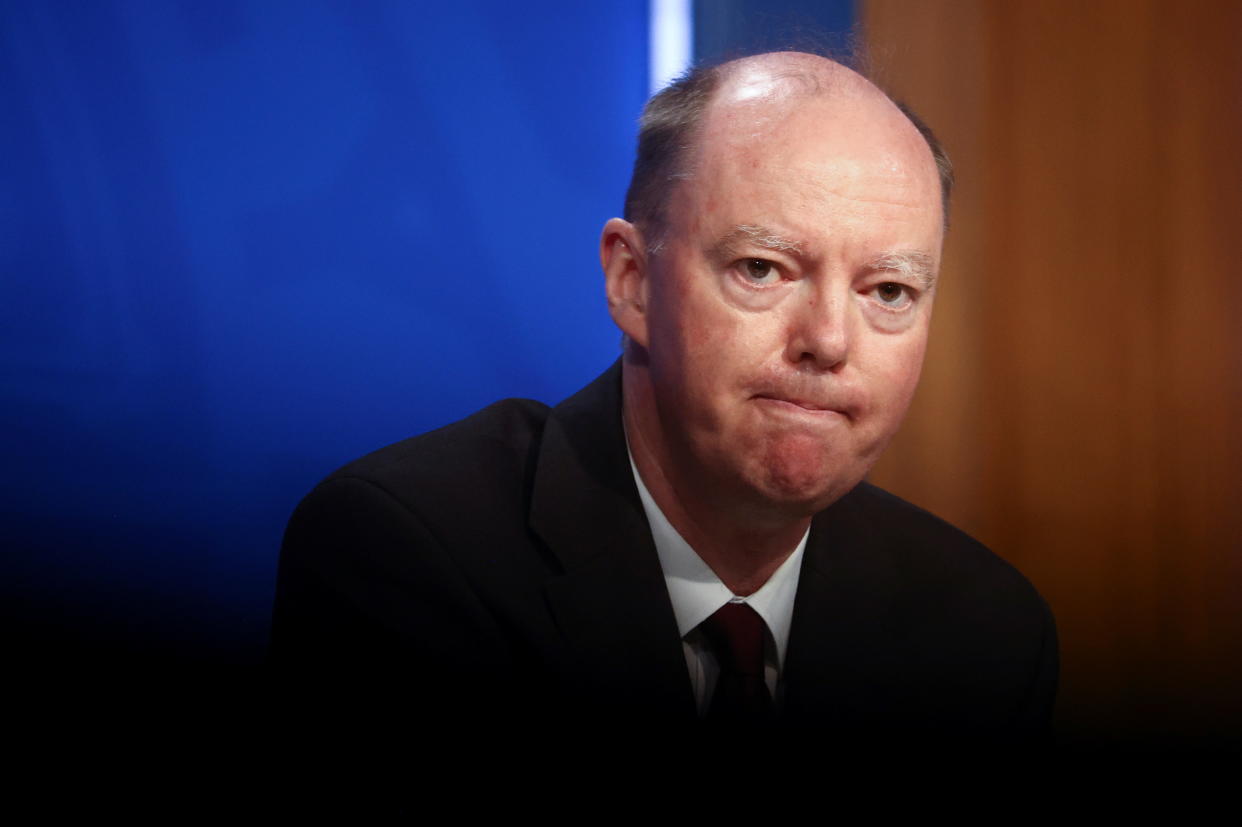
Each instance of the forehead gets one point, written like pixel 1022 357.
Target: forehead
pixel 844 162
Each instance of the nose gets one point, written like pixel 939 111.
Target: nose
pixel 819 334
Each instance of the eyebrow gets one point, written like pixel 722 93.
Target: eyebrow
pixel 910 263
pixel 727 246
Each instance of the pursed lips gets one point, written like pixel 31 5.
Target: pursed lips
pixel 809 406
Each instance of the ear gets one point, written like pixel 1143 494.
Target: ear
pixel 623 256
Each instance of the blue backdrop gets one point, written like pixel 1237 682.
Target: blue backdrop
pixel 245 242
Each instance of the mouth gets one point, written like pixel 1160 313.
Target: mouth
pixel 800 406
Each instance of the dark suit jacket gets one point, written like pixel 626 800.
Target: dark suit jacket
pixel 501 569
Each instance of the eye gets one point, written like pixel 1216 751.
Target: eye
pixel 759 271
pixel 893 295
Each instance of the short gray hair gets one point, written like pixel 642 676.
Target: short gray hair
pixel 667 130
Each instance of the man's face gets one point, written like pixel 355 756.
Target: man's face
pixel 788 309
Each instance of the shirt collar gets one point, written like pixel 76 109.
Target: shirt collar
pixel 695 590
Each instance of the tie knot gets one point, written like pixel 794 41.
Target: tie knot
pixel 735 633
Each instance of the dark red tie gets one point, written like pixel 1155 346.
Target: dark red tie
pixel 735 633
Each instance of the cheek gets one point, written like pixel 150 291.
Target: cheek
pixel 707 334
pixel 897 374
pixel 728 352
pixel 708 343
pixel 690 349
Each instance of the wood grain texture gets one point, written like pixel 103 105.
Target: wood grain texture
pixel 1080 406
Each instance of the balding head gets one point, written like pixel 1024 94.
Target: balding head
pixel 785 76
pixel 755 88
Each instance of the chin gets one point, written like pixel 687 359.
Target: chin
pixel 806 499
pixel 807 482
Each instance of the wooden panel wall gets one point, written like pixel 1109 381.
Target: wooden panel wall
pixel 1081 404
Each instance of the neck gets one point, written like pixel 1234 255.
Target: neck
pixel 743 542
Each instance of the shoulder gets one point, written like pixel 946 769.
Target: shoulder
pixel 948 619
pixel 495 432
pixel 492 449
pixel 440 499
pixel 937 561
pixel 389 548
pixel 905 529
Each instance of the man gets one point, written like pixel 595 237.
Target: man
pixel 689 538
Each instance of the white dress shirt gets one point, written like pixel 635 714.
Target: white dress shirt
pixel 696 593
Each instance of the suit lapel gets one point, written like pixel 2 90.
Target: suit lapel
pixel 610 603
pixel 841 621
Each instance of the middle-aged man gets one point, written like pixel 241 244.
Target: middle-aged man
pixel 689 537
